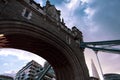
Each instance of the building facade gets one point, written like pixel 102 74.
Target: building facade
pixel 3 77
pixel 33 70
pixel 29 71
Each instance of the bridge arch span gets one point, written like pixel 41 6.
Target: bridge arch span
pixel 33 38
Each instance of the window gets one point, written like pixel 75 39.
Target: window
pixel 68 39
pixel 27 13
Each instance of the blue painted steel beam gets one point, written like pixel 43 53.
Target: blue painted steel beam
pixel 111 42
pixel 92 45
pixel 104 49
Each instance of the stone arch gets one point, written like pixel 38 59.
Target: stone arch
pixel 33 38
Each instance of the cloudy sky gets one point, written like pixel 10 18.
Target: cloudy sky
pixel 99 20
pixel 12 60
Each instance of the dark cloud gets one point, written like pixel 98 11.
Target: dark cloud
pixel 79 12
pixel 104 22
pixel 66 1
pixel 58 2
pixel 107 17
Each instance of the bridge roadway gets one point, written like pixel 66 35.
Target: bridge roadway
pixel 28 26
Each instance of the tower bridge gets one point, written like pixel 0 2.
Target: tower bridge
pixel 26 25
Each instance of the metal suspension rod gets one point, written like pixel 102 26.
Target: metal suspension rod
pixel 44 72
pixel 96 52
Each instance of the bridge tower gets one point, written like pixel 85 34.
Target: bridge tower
pixel 28 26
